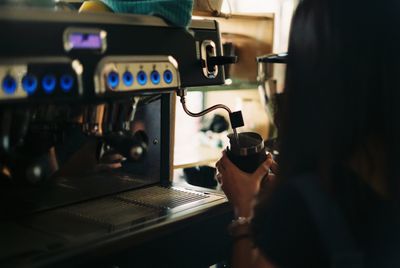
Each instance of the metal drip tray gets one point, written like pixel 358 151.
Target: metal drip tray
pixel 92 218
pixel 113 213
pixel 161 197
pixel 101 219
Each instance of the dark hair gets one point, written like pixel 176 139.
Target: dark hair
pixel 342 89
pixel 342 86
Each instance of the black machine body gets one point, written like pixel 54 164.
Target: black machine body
pixel 86 128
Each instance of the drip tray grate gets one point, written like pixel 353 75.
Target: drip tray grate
pixel 161 197
pixel 112 213
pixel 98 216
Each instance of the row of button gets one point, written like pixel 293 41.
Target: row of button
pixel 30 83
pixel 113 78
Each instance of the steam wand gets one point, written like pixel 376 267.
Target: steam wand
pixel 235 118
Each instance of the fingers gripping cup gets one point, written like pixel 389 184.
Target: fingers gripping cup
pixel 247 152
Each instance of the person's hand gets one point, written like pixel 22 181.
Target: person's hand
pixel 241 187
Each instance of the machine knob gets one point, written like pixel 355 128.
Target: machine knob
pixel 136 152
pixel 34 174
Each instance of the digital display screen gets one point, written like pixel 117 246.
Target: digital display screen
pixel 85 41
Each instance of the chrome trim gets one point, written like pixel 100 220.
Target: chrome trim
pixel 78 68
pixel 203 24
pixel 19 67
pixel 251 150
pixel 135 64
pixel 17 71
pixel 204 57
pixel 244 151
pixel 172 135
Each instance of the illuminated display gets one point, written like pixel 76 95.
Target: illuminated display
pixel 85 41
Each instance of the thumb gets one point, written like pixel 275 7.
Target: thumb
pixel 262 170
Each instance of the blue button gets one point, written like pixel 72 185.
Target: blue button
pixel 66 82
pixel 168 77
pixel 9 84
pixel 29 83
pixel 142 78
pixel 127 77
pixel 155 77
pixel 113 80
pixel 49 83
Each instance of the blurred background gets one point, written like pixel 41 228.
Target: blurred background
pixel 249 28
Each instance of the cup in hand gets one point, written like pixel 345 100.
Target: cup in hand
pixel 248 152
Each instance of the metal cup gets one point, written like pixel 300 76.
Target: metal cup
pixel 248 152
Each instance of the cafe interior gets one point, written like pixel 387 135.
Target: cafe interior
pixel 114 116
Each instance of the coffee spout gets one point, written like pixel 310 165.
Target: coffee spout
pixel 235 118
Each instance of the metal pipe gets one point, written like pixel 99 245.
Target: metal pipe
pixel 182 93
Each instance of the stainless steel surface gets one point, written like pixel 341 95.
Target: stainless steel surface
pixel 203 24
pixel 136 64
pixel 83 174
pixel 101 119
pixel 18 67
pixel 119 212
pixel 247 143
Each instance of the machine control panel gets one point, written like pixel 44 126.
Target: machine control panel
pixel 42 78
pixel 136 73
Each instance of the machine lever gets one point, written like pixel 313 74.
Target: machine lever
pixel 274 58
pixel 222 60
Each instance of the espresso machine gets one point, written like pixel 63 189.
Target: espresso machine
pixel 86 137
